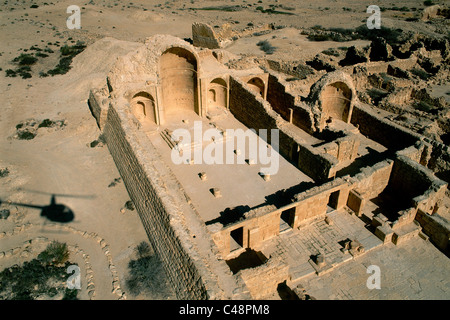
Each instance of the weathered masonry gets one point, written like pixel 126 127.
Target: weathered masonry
pixel 335 154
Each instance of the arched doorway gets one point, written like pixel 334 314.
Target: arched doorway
pixel 218 93
pixel 178 72
pixel 336 99
pixel 257 85
pixel 143 107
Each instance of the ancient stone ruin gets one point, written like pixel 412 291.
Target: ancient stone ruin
pixel 213 224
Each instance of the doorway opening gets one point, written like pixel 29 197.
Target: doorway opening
pixel 287 219
pixel 237 239
pixel 333 201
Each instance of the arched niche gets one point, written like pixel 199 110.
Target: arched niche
pixel 143 107
pixel 336 99
pixel 257 85
pixel 218 93
pixel 178 75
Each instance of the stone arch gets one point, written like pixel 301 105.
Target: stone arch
pixel 143 107
pixel 218 93
pixel 334 95
pixel 178 75
pixel 257 85
pixel 336 99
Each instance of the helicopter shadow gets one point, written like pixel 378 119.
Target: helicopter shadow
pixel 54 212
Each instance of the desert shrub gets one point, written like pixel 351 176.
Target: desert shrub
pixel 46 123
pixel 10 73
pixel 146 275
pixel 55 253
pixel 273 11
pixel 62 67
pixel 143 250
pixel 129 205
pixel 266 47
pixel 67 55
pixel 224 8
pixel 115 182
pixel 331 52
pixel 25 59
pixel 392 36
pixel 35 279
pixel 35 48
pixel 4 214
pixel 102 138
pixel 4 172
pixel 24 72
pixel 428 3
pixel 72 50
pixel 25 135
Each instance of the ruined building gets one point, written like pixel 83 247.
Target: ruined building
pixel 208 223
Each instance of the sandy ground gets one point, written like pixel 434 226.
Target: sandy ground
pixel 60 161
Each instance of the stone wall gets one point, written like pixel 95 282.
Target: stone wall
pixel 437 228
pixel 260 224
pixel 344 149
pixel 439 161
pixel 97 107
pixel 262 281
pixel 371 181
pixel 256 113
pixel 314 202
pixel 204 36
pixel 409 179
pixel 263 222
pixel 159 202
pixel 283 102
pixel 383 131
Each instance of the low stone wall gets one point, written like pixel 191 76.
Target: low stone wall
pixel 314 202
pixel 262 281
pixel 437 228
pixel 371 181
pixel 259 225
pixel 439 161
pixel 344 149
pixel 383 131
pixel 410 179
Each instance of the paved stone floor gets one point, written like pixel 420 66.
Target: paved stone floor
pixel 412 270
pixel 298 246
